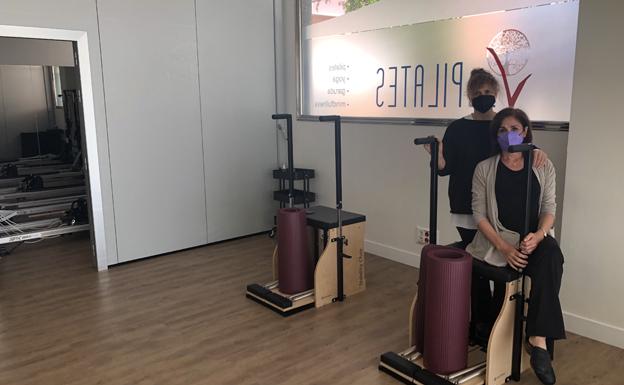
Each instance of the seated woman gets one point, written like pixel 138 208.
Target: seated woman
pixel 498 205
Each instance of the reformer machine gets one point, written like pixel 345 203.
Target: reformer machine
pixel 503 358
pixel 339 269
pixel 42 208
pixel 36 223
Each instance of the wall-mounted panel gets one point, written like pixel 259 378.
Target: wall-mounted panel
pixel 149 59
pixel 236 59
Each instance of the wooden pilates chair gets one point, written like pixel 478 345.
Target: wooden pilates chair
pixel 503 359
pixel 339 270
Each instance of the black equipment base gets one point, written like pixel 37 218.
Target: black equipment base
pixel 408 372
pixel 279 304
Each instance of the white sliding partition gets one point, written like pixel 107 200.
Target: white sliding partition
pixel 237 75
pixel 149 60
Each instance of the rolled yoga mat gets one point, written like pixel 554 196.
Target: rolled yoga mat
pixel 294 265
pixel 446 308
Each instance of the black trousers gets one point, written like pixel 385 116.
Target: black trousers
pixel 545 318
pixel 482 308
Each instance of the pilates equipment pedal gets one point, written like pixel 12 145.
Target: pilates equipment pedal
pixel 269 296
pixel 408 368
pixel 407 371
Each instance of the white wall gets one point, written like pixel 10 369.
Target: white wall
pixel 15 51
pixel 593 210
pixel 24 107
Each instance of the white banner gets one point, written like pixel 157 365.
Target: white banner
pixel 421 70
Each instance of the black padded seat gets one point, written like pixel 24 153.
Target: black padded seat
pixel 494 273
pixel 487 271
pixel 322 217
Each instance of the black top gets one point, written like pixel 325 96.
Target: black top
pixel 511 199
pixel 322 217
pixel 466 143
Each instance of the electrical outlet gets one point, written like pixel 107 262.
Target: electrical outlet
pixel 423 236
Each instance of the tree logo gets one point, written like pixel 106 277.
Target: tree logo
pixel 508 54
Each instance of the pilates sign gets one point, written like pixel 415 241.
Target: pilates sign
pixel 421 70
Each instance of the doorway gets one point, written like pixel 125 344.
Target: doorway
pixel 49 179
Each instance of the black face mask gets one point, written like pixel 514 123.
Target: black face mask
pixel 483 103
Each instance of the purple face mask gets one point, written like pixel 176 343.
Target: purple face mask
pixel 510 138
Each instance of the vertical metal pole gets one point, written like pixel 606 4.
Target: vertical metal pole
pixel 433 195
pixel 339 239
pixel 516 357
pixel 433 185
pixel 291 167
pixel 340 245
pixel 529 175
pixel 520 300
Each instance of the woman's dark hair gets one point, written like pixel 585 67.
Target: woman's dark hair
pixel 478 78
pixel 516 113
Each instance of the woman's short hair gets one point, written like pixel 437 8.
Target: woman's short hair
pixel 478 78
pixel 516 113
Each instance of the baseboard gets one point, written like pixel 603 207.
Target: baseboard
pixel 596 330
pixel 410 258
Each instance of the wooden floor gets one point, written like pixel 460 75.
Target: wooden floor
pixel 184 319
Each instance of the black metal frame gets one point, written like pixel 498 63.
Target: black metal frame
pixel 340 239
pixel 433 186
pixel 262 294
pixel 527 150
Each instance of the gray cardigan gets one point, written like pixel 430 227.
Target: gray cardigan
pixel 484 207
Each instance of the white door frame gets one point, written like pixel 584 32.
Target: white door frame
pixel 93 166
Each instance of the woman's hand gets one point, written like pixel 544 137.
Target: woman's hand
pixel 440 147
pixel 539 158
pixel 530 242
pixel 441 160
pixel 515 259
